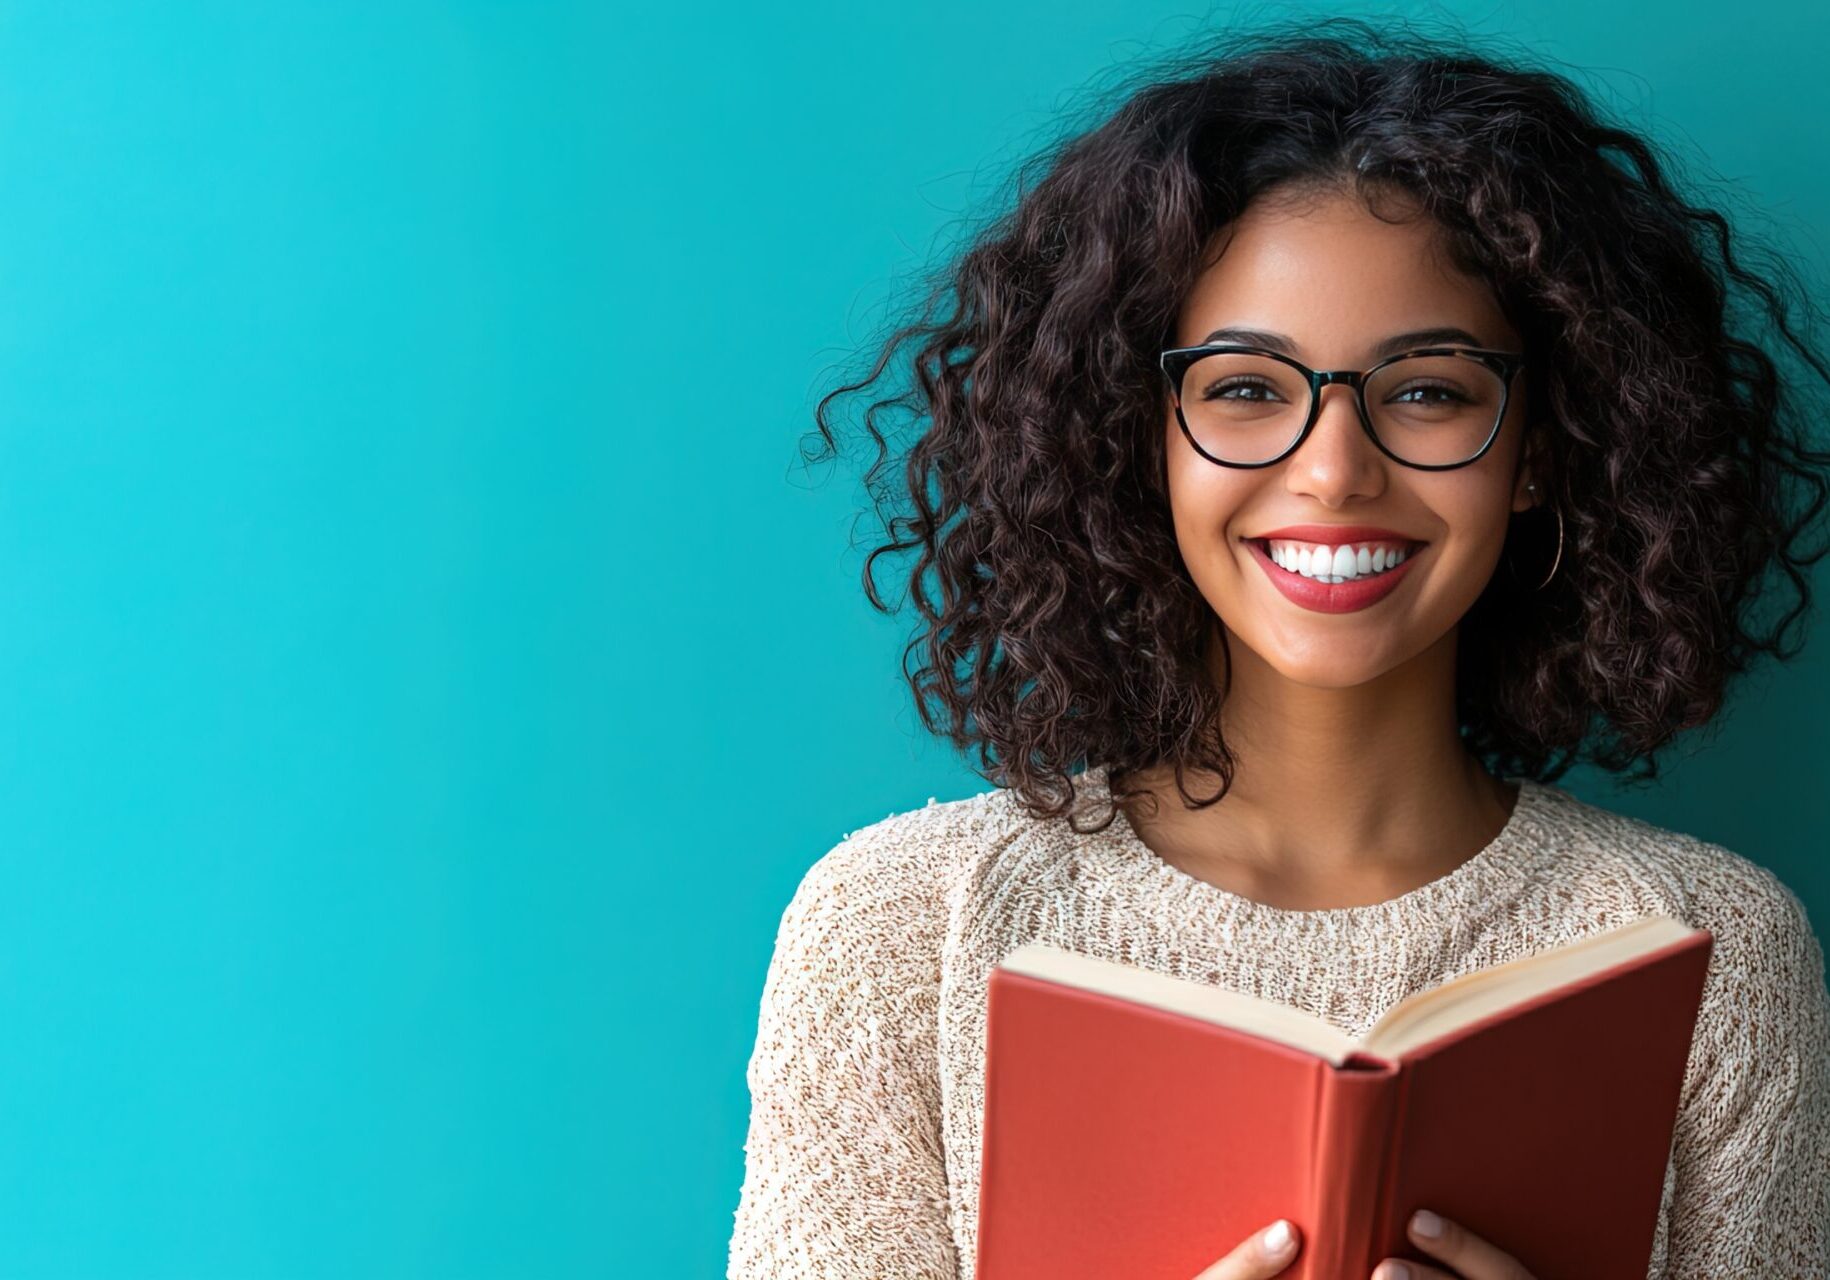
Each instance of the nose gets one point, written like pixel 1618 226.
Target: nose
pixel 1338 462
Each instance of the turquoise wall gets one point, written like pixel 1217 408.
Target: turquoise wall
pixel 428 670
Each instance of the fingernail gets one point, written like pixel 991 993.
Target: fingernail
pixel 1396 1271
pixel 1277 1239
pixel 1426 1223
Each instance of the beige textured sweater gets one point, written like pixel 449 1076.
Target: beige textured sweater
pixel 862 1158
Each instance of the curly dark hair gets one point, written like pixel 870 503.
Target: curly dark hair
pixel 1059 627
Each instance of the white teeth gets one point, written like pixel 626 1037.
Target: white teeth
pixel 1336 564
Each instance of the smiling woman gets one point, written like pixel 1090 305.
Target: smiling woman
pixel 1433 444
pixel 1333 446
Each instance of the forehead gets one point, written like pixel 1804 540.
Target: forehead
pixel 1336 277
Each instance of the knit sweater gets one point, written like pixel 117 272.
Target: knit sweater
pixel 867 1078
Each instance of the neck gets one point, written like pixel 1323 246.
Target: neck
pixel 1364 786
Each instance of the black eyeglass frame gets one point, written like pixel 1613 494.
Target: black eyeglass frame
pixel 1175 363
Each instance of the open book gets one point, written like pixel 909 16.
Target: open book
pixel 1141 1125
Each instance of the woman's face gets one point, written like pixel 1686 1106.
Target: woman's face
pixel 1334 281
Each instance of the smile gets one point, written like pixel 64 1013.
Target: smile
pixel 1368 572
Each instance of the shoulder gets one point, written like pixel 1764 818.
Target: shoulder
pixel 1608 857
pixel 1764 1001
pixel 1763 1023
pixel 888 883
pixel 860 949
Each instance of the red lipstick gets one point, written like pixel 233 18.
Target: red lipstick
pixel 1334 535
pixel 1333 597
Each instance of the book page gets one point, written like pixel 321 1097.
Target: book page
pixel 1422 1017
pixel 1415 1020
pixel 1218 1005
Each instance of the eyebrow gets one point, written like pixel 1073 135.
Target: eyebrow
pixel 1439 336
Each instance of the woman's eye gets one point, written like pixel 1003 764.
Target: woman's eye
pixel 1445 394
pixel 1221 392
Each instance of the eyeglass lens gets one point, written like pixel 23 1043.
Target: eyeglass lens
pixel 1431 410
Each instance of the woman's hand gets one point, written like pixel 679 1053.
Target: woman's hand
pixel 1266 1254
pixel 1471 1257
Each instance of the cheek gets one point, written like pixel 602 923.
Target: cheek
pixel 1205 502
pixel 1193 493
pixel 1474 506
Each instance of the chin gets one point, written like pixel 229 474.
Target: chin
pixel 1327 676
pixel 1318 668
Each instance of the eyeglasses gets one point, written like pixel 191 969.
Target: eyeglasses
pixel 1435 408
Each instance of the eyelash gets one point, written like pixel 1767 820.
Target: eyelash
pixel 1215 393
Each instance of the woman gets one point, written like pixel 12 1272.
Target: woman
pixel 1265 708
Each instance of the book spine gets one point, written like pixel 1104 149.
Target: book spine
pixel 1384 1229
pixel 1356 1110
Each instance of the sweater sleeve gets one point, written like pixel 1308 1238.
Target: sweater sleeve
pixel 1752 1146
pixel 844 1171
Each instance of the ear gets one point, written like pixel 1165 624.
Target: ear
pixel 1531 470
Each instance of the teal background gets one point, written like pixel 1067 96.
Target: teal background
pixel 427 670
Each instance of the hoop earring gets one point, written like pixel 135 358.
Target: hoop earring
pixel 1557 511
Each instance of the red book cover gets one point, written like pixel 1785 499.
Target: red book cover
pixel 1126 1136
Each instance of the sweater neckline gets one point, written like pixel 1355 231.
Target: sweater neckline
pixel 1498 866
